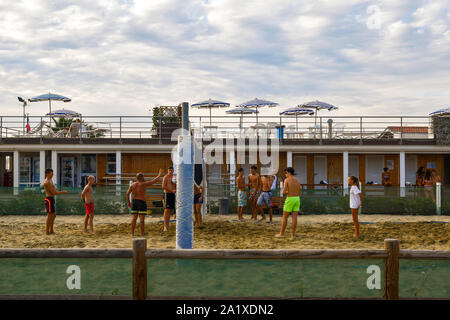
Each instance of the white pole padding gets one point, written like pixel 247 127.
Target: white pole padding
pixel 185 192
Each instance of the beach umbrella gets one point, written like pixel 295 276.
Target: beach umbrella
pixel 49 97
pixel 296 111
pixel 209 104
pixel 441 112
pixel 318 105
pixel 258 103
pixel 242 111
pixel 64 113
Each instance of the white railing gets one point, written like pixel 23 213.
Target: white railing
pixel 231 126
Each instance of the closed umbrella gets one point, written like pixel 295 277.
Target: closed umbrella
pixel 258 103
pixel 209 104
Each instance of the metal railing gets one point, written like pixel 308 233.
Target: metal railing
pixel 230 126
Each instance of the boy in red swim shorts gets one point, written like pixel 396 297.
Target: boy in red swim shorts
pixel 88 198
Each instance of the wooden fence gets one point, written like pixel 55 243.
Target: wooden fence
pixel 139 254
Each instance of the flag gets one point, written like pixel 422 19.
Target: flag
pixel 28 125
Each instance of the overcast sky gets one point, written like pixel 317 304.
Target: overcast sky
pixel 122 57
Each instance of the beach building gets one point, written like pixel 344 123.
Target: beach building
pixel 323 151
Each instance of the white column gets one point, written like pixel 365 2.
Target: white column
pixel 345 171
pixel 289 159
pixel 118 167
pixel 41 166
pixel 402 174
pixel 16 170
pixel 118 172
pixel 55 167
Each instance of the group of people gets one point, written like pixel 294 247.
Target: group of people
pixel 258 192
pixel 136 200
pixel 255 193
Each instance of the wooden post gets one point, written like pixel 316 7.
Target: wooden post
pixel 139 269
pixel 391 269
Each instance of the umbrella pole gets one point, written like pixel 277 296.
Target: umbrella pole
pixel 210 116
pixel 50 112
pixel 315 124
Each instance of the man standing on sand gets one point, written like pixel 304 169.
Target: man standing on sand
pixel 265 196
pixel 88 198
pixel 169 188
pixel 291 188
pixel 242 196
pixel 49 201
pixel 253 189
pixel 139 205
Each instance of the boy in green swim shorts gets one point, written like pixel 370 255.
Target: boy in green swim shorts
pixel 291 188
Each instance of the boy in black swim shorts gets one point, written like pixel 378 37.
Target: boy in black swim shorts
pixel 169 187
pixel 49 201
pixel 139 204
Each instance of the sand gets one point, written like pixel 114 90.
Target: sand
pixel 221 232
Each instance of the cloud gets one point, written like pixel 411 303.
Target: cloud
pixel 123 57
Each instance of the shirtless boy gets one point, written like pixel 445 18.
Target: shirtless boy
pixel 198 202
pixel 265 196
pixel 242 196
pixel 88 198
pixel 169 188
pixel 49 201
pixel 291 188
pixel 253 189
pixel 139 204
pixel 386 177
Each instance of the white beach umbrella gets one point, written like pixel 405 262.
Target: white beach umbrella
pixel 209 104
pixel 242 111
pixel 318 105
pixel 441 113
pixel 258 103
pixel 296 111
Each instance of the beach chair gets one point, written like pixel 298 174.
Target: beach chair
pixel 338 131
pixel 37 129
pixel 59 134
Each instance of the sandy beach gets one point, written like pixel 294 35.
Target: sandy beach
pixel 224 232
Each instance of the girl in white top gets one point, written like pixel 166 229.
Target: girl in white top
pixel 355 201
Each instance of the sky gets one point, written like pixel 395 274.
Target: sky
pixel 123 57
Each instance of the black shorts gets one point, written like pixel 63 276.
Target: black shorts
pixel 49 203
pixel 139 207
pixel 169 199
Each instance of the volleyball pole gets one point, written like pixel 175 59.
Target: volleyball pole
pixel 185 184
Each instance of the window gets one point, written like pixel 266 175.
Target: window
pixel 111 163
pixel 89 163
pixel 8 163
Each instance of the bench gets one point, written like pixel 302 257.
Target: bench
pixel 277 205
pixel 153 201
